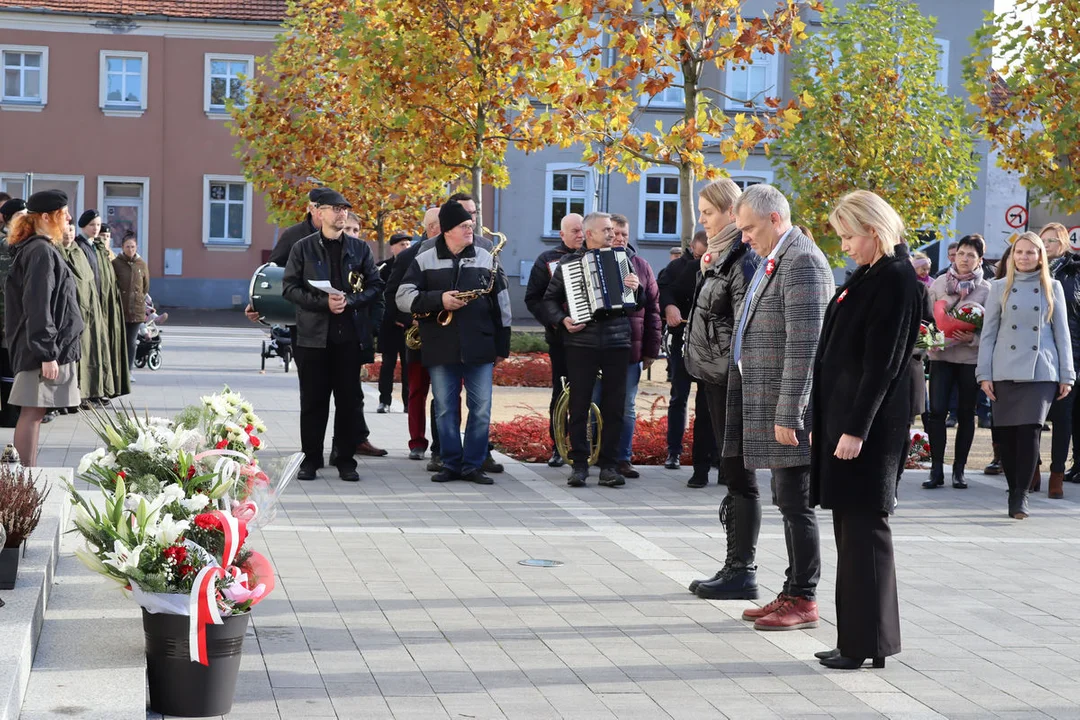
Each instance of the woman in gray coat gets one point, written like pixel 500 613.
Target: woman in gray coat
pixel 1025 360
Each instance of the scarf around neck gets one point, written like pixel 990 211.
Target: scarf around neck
pixel 719 246
pixel 962 285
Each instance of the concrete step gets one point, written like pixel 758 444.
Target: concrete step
pixel 90 661
pixel 24 610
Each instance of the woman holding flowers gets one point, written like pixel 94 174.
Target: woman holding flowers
pixel 861 407
pixel 1025 360
pixel 42 323
pixel 1065 268
pixel 953 366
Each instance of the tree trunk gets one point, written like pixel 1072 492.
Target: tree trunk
pixel 686 204
pixel 477 170
pixel 380 236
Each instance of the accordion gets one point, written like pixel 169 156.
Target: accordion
pixel 594 283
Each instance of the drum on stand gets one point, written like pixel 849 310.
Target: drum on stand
pixel 266 298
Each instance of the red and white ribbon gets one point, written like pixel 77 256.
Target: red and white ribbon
pixel 202 603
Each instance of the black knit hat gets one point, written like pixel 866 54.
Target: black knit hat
pixel 12 206
pixel 47 201
pixel 88 217
pixel 451 215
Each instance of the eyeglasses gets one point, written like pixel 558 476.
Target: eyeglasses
pixel 335 208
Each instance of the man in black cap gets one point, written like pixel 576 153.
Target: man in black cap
pixel 464 349
pixel 334 327
pixel 392 332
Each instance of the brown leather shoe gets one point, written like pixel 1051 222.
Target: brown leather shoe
pixel 755 613
pixel 366 448
pixel 627 470
pixel 1056 490
pixel 795 613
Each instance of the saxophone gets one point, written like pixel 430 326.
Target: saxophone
pixel 445 317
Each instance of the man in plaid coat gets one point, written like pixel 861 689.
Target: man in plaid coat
pixel 772 358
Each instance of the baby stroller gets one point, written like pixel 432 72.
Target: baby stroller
pixel 279 345
pixel 148 350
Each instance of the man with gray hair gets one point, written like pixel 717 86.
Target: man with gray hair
pixel 772 359
pixel 601 344
pixel 572 235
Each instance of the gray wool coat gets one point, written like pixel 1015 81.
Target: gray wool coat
pixel 778 349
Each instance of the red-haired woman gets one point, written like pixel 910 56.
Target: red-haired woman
pixel 42 323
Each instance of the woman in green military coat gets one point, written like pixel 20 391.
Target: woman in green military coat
pixel 118 376
pixel 92 370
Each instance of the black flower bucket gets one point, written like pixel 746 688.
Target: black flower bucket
pixel 9 567
pixel 183 688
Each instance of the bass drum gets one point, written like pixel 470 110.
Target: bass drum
pixel 266 298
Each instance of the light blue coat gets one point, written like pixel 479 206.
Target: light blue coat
pixel 1017 342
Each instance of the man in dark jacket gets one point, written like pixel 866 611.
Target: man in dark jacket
pixel 461 339
pixel 333 330
pixel 677 283
pixel 602 343
pixel 392 332
pixel 571 234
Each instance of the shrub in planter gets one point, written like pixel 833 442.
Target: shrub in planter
pixel 524 370
pixel 20 512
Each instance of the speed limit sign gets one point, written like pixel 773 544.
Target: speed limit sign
pixel 1074 238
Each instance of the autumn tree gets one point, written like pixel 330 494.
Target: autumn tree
pixel 876 118
pixel 453 74
pixel 611 58
pixel 1024 79
pixel 305 124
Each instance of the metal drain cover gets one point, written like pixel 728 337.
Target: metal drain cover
pixel 535 562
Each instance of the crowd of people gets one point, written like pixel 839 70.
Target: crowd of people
pixel 70 314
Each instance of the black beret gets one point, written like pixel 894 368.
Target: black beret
pixel 451 215
pixel 47 201
pixel 400 237
pixel 332 197
pixel 11 207
pixel 88 217
pixel 104 228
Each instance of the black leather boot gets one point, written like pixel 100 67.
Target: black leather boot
pixel 740 582
pixel 700 478
pixel 726 506
pixel 937 477
pixel 958 481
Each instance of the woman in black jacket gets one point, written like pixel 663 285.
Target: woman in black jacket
pixel 42 323
pixel 727 267
pixel 861 409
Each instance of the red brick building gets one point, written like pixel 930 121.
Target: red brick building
pixel 121 103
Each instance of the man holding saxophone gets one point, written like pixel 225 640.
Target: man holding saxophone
pixel 461 297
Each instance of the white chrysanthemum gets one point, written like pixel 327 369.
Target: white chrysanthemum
pixel 91 458
pixel 195 503
pixel 171 494
pixel 108 461
pixel 144 443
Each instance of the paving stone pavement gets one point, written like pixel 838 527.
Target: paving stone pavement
pixel 400 598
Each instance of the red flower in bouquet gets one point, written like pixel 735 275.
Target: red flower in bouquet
pixel 222 444
pixel 176 553
pixel 770 267
pixel 122 475
pixel 207 521
pixel 255 442
pixel 248 428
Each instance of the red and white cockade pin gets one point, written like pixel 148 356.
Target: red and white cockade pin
pixel 707 258
pixel 842 296
pixel 770 267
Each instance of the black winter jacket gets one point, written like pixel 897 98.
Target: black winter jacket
pixel 707 342
pixel 861 386
pixel 605 330
pixel 478 332
pixel 1067 272
pixel 678 283
pixel 42 321
pixel 539 279
pixel 309 260
pixel 289 237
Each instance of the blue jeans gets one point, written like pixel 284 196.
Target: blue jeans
pixel 446 382
pixel 626 440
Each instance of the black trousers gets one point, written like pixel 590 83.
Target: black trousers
pixel 1018 446
pixel 334 370
pixel 704 449
pixel 741 481
pixel 557 356
pixel 392 347
pixel 791 495
pixel 944 378
pixel 131 335
pixel 867 604
pixel 1061 417
pixel 582 366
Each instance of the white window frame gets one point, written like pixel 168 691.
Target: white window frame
pixel 41 182
pixel 772 73
pixel 122 109
pixel 550 194
pixel 248 198
pixel 759 176
pixel 669 97
pixel 943 62
pixel 14 103
pixel 219 111
pixel 644 196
